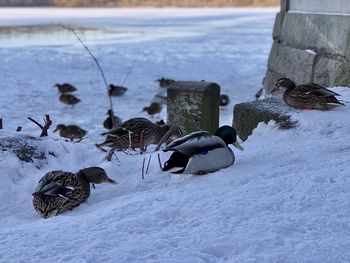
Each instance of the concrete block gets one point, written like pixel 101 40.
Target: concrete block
pixel 277 28
pixel 293 63
pixel 247 116
pixel 270 80
pixel 332 72
pixel 194 105
pixel 285 5
pixel 320 32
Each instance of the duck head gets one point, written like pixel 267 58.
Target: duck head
pixel 96 175
pixel 60 127
pixel 283 84
pixel 229 136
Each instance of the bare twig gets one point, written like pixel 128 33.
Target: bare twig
pixel 110 154
pixel 19 128
pixel 143 168
pixel 100 147
pixel 160 162
pixel 64 147
pixel 149 161
pixel 1 127
pixel 142 141
pixel 37 123
pixel 46 126
pixel 129 71
pixel 166 136
pixel 98 66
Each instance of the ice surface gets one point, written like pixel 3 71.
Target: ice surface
pixel 286 199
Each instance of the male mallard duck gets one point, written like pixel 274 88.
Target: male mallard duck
pixel 70 131
pixel 115 90
pixel 65 87
pixel 202 152
pixel 154 108
pixel 141 132
pixel 68 99
pixel 108 122
pixel 308 96
pixel 60 191
pixel 164 83
pixel 224 100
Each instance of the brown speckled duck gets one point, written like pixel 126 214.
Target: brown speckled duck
pixel 154 108
pixel 68 99
pixel 70 131
pixel 65 87
pixel 308 96
pixel 138 127
pixel 60 191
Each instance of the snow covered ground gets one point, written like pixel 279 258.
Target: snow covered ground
pixel 286 199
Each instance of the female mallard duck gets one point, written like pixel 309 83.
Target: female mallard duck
pixel 202 152
pixel 70 131
pixel 68 99
pixel 60 191
pixel 154 108
pixel 114 90
pixel 138 132
pixel 308 96
pixel 65 87
pixel 108 122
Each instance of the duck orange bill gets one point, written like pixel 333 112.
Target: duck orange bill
pixel 238 146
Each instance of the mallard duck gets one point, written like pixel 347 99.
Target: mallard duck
pixel 68 99
pixel 60 191
pixel 135 129
pixel 164 83
pixel 154 108
pixel 70 131
pixel 224 100
pixel 108 122
pixel 115 90
pixel 65 87
pixel 202 152
pixel 308 96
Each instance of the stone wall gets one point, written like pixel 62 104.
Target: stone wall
pixel 311 45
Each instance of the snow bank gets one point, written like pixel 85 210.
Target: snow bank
pixel 285 200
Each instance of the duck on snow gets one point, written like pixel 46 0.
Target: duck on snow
pixel 202 152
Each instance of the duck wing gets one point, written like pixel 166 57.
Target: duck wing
pixel 196 142
pixel 315 89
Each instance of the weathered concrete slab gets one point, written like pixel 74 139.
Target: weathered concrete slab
pixel 194 105
pixel 332 72
pixel 277 28
pixel 323 33
pixel 247 116
pixel 293 63
pixel 270 80
pixel 324 6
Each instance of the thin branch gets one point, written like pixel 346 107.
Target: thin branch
pixel 128 73
pixel 160 162
pixel 143 168
pixel 166 136
pixel 149 161
pixel 37 123
pixel 64 147
pixel 98 66
pixel 1 127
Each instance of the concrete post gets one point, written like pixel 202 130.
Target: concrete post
pixel 194 105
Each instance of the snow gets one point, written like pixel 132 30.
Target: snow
pixel 286 198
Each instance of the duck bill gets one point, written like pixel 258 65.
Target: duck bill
pixel 111 181
pixel 238 146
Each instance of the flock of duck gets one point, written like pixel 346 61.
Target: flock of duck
pixel 196 153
